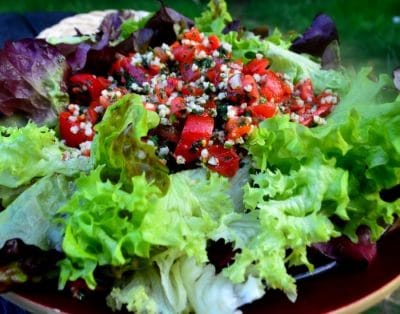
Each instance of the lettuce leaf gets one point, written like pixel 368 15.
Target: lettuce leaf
pixel 361 138
pixel 106 225
pixel 31 216
pixel 176 284
pixel 118 143
pixel 30 152
pixel 215 18
pixel 102 225
pixel 33 80
pixel 193 207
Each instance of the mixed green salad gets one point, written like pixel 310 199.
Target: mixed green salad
pixel 180 166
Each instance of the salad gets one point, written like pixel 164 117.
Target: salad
pixel 173 165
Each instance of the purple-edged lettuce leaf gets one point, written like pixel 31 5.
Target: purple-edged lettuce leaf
pixel 33 80
pixel 97 49
pixel 317 37
pixel 343 249
pixel 164 24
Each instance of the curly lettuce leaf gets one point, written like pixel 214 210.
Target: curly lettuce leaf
pixel 119 147
pixel 177 284
pixel 31 216
pixel 102 225
pixel 361 137
pixel 30 152
pixel 193 207
pixel 33 80
pixel 106 225
pixel 288 213
pixel 214 19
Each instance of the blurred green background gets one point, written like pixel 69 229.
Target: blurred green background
pixel 369 31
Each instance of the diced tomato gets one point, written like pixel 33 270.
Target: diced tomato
pixel 213 74
pixel 237 127
pixel 188 75
pixel 161 54
pixel 196 130
pixel 188 90
pixel 256 66
pixel 91 112
pixel 172 83
pixel 120 65
pixel 183 54
pixel 161 94
pixel 250 87
pixel 193 34
pixel 88 83
pixel 323 110
pixel 70 130
pixel 153 69
pixel 178 106
pixel 227 160
pixel 214 42
pixel 168 133
pixel 272 87
pixel 262 111
pixel 305 90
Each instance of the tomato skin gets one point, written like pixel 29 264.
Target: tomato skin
pixel 197 128
pixel 188 90
pixel 213 43
pixel 178 106
pixel 248 81
pixel 237 127
pixel 71 139
pixel 227 160
pixel 188 75
pixel 193 34
pixel 273 88
pixel 256 66
pixel 183 54
pixel 90 83
pixel 263 111
pixel 306 90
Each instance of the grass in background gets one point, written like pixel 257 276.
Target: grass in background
pixel 368 32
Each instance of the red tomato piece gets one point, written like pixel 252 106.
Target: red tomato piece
pixel 250 87
pixel 213 42
pixel 305 90
pixel 161 54
pixel 256 66
pixel 81 83
pixel 272 87
pixel 193 34
pixel 178 106
pixel 71 132
pixel 172 83
pixel 262 111
pixel 188 75
pixel 237 127
pixel 227 160
pixel 188 90
pixel 196 129
pixel 183 54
